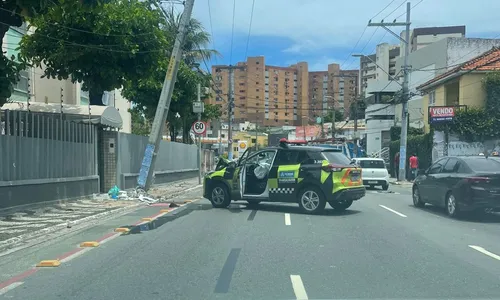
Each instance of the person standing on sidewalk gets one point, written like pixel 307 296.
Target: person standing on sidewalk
pixel 413 166
pixel 396 165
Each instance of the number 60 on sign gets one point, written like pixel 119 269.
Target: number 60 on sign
pixel 199 127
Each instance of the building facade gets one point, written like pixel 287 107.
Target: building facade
pixel 278 96
pixel 49 90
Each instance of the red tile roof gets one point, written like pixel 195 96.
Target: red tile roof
pixel 488 61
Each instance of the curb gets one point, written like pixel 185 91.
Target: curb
pixel 159 219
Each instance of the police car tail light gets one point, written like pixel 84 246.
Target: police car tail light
pixel 332 168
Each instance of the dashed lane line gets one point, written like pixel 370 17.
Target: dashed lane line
pixel 485 252
pixel 298 287
pixel 393 211
pixel 288 220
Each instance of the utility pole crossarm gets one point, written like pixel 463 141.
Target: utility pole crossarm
pixel 384 24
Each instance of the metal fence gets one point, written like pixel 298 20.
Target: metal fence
pixel 176 161
pixel 45 146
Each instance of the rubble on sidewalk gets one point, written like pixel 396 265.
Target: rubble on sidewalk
pixel 157 194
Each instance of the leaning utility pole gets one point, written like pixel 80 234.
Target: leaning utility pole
pixel 406 92
pixel 146 173
pixel 230 95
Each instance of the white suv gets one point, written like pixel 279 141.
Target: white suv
pixel 374 172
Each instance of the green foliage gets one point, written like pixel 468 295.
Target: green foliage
pixel 395 132
pixel 421 145
pixel 212 112
pixel 140 125
pixel 103 45
pixel 491 85
pixel 9 76
pixel 14 13
pixel 194 47
pixel 339 116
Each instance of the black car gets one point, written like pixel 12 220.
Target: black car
pixel 460 184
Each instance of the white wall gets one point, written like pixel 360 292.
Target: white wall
pixel 375 127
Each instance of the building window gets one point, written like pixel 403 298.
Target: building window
pixel 84 97
pixel 432 98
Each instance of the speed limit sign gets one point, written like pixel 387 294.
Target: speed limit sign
pixel 199 127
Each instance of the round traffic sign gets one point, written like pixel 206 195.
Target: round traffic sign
pixel 199 127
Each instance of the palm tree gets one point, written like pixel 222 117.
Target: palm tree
pixel 197 39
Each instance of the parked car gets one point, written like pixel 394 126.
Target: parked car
pixel 374 172
pixel 460 184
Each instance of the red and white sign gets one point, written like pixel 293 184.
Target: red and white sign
pixel 441 114
pixel 199 127
pixel 437 112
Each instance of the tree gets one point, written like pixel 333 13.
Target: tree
pixel 145 92
pixel 194 47
pixel 339 116
pixel 102 45
pixel 140 125
pixel 14 13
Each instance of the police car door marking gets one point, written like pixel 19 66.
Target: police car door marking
pixel 286 176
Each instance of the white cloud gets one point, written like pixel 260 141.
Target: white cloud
pixel 314 25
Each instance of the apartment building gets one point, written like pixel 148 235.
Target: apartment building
pixel 265 95
pixel 421 37
pixel 334 88
pixel 278 96
pixel 380 66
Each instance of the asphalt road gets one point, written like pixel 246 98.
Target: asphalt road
pixel 382 248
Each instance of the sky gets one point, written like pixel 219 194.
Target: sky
pixel 326 31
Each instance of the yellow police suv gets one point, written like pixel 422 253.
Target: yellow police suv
pixel 308 175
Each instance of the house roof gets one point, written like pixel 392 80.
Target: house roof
pixel 488 61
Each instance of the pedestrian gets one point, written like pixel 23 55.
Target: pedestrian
pixel 396 165
pixel 413 166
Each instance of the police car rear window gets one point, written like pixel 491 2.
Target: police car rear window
pixel 336 157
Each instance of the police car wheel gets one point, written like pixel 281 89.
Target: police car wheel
pixel 311 200
pixel 219 196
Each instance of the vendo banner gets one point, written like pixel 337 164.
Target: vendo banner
pixel 440 114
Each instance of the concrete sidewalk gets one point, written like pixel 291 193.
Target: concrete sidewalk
pixel 19 225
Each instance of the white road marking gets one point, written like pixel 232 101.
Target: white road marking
pixel 392 210
pixel 298 287
pixel 288 221
pixel 486 252
pixel 10 287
